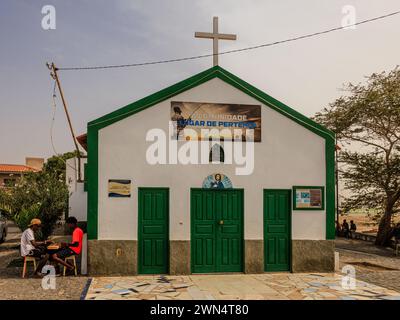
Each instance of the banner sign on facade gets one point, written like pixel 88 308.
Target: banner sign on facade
pixel 217 181
pixel 232 121
pixel 119 188
pixel 308 198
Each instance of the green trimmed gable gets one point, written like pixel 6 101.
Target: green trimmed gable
pixel 214 72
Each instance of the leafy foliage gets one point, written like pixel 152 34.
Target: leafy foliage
pixel 42 195
pixel 24 217
pixel 56 164
pixel 367 124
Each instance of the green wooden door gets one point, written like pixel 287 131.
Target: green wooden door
pixel 217 230
pixel 277 230
pixel 153 230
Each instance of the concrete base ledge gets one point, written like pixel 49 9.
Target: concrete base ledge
pixel 254 256
pixel 112 257
pixel 179 257
pixel 313 255
pixel 120 257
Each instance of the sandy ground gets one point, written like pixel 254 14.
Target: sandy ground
pixel 363 222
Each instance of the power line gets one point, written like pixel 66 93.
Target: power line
pixel 311 35
pixel 54 75
pixel 54 105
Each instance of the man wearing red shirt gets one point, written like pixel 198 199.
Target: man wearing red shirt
pixel 69 249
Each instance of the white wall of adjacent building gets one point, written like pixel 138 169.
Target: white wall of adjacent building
pixel 287 155
pixel 77 202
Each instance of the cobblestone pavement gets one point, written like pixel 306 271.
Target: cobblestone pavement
pixel 277 286
pixel 12 286
pixel 365 247
pixel 373 264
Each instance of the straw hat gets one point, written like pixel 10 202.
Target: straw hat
pixel 35 221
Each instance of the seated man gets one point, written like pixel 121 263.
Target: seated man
pixel 345 229
pixel 353 228
pixel 32 248
pixel 338 229
pixel 69 249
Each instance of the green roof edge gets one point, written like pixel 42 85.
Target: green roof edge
pixel 214 72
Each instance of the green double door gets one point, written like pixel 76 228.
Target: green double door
pixel 153 230
pixel 216 230
pixel 277 230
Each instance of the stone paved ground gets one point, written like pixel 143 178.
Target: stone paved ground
pixel 373 264
pixel 377 272
pixel 278 286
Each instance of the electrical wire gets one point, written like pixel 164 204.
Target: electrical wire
pixel 54 105
pixel 53 118
pixel 311 35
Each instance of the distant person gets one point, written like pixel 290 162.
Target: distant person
pixel 345 229
pixel 353 228
pixel 338 229
pixel 70 249
pixel 32 248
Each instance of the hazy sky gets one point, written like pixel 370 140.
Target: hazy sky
pixel 306 75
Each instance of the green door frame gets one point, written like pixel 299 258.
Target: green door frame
pixel 192 225
pixel 289 223
pixel 139 261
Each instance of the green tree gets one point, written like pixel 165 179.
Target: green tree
pixel 24 217
pixel 57 163
pixel 367 124
pixel 43 195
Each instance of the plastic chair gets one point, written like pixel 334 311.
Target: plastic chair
pixel 73 259
pixel 26 260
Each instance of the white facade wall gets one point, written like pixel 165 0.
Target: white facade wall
pixel 77 202
pixel 288 155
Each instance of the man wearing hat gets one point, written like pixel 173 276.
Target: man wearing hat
pixel 32 248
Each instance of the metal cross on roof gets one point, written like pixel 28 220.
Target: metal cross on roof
pixel 215 36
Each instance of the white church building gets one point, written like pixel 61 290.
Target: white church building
pixel 257 198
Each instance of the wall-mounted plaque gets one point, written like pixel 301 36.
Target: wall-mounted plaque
pixel 217 181
pixel 308 198
pixel 119 188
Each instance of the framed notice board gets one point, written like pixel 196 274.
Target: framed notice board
pixel 308 198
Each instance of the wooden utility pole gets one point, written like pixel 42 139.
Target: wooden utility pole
pixel 54 75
